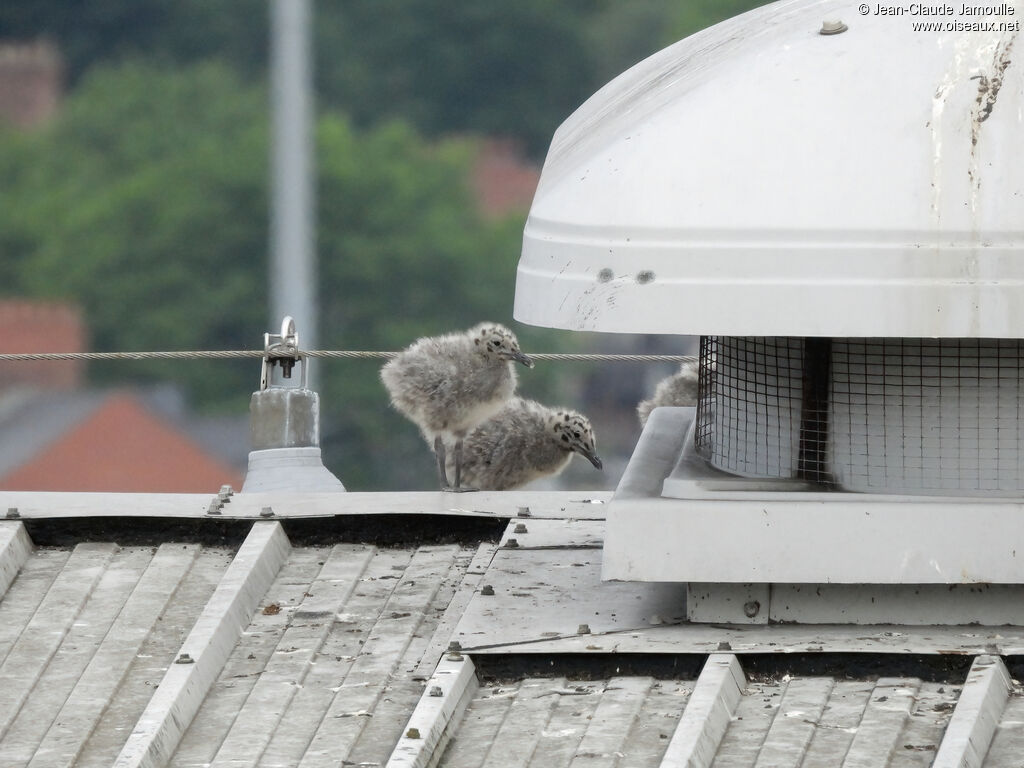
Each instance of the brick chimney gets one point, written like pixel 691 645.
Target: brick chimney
pixel 36 326
pixel 31 77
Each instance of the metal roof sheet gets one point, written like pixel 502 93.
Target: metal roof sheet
pixel 550 721
pixel 274 652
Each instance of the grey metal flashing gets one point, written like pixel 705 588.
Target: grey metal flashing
pixel 60 504
pixel 553 534
pixel 977 715
pixel 707 715
pixel 656 453
pixel 554 593
pixel 1008 741
pixel 577 505
pixel 15 547
pixel 468 585
pixel 543 593
pixel 430 727
pixel 687 638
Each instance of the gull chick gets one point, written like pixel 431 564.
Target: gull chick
pixel 449 384
pixel 676 390
pixel 525 441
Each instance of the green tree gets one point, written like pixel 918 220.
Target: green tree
pixel 104 32
pixel 145 201
pixel 512 68
pixel 696 15
pixel 445 66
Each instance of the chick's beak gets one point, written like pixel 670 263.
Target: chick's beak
pixel 590 456
pixel 519 357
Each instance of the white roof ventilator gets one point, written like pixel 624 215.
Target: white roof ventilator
pixel 835 203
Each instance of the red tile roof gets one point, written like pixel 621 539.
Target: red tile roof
pixel 122 447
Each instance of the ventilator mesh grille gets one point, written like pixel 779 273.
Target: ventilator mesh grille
pixel 931 416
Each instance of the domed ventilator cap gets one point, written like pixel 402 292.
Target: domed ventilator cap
pixel 762 178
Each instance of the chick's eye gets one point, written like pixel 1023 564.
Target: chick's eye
pixel 577 435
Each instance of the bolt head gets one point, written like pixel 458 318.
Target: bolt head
pixel 832 27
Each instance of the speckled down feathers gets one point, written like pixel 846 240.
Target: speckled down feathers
pixel 677 390
pixel 523 442
pixel 448 384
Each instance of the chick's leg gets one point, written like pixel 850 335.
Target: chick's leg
pixel 458 469
pixel 442 475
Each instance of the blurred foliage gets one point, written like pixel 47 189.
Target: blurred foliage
pixel 445 66
pixel 145 200
pixel 498 68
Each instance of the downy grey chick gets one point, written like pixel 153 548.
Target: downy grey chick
pixel 678 389
pixel 525 441
pixel 449 384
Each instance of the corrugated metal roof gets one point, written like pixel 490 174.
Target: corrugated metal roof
pixel 107 649
pixel 806 721
pixel 551 722
pixel 278 652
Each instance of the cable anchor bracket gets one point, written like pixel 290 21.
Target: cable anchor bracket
pixel 282 349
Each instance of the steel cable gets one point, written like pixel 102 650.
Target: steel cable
pixel 313 353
